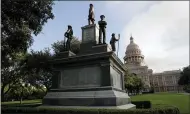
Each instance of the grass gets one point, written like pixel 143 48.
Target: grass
pixel 24 103
pixel 158 100
pixel 181 101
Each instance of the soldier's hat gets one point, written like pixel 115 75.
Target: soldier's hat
pixel 69 26
pixel 102 16
pixel 113 34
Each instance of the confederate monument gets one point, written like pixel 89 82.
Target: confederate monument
pixel 92 78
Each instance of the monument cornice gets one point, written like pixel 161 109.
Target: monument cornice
pixel 80 58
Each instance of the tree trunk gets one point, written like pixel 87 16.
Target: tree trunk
pixel 2 93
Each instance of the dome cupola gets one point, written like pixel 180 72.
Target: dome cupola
pixel 133 54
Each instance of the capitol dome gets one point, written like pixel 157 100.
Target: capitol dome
pixel 132 46
pixel 133 54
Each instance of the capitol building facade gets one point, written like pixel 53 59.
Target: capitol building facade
pixel 161 82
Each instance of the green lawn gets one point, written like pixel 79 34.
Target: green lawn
pixel 24 103
pixel 181 101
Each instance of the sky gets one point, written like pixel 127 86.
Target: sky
pixel 160 28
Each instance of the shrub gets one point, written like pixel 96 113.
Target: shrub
pixel 148 92
pixel 167 110
pixel 151 90
pixel 142 104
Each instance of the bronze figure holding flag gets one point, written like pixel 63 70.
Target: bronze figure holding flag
pixel 113 41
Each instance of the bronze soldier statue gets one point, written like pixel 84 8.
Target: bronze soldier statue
pixel 113 41
pixel 102 29
pixel 69 36
pixel 91 16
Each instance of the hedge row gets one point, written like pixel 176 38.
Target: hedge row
pixel 142 104
pixel 14 110
pixel 148 92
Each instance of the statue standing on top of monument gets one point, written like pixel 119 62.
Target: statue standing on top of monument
pixel 102 29
pixel 113 41
pixel 69 36
pixel 91 16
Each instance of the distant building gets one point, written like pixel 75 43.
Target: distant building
pixel 134 61
pixel 166 81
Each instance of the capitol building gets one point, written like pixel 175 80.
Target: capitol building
pixel 161 82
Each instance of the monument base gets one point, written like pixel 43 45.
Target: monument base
pixel 104 97
pixel 65 54
pixel 89 80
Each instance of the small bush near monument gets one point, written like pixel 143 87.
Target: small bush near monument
pixel 148 92
pixel 14 110
pixel 142 104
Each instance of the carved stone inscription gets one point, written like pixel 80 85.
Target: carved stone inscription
pixel 116 77
pixel 81 77
pixel 88 34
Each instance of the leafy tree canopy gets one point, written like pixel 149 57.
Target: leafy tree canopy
pixel 20 19
pixel 38 68
pixel 133 82
pixel 185 76
pixel 59 45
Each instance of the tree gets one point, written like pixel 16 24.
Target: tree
pixel 151 87
pixel 20 19
pixel 185 76
pixel 129 82
pixel 138 84
pixel 12 74
pixel 38 68
pixel 22 90
pixel 133 83
pixel 38 92
pixel 59 46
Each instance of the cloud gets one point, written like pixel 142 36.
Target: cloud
pixel 161 31
pixel 125 10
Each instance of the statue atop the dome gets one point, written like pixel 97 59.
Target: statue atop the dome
pixel 69 35
pixel 102 29
pixel 113 41
pixel 91 16
pixel 131 39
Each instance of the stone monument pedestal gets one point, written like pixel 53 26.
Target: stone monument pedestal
pixel 93 78
pixel 65 54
